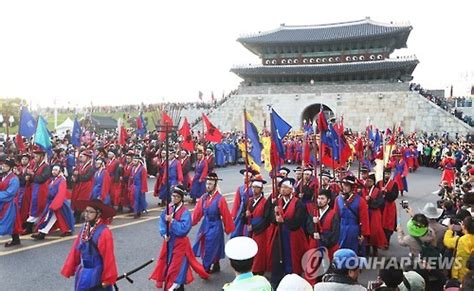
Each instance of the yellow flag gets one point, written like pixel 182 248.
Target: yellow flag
pixel 266 143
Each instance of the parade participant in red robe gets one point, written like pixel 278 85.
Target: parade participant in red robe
pixel 390 191
pixel 114 171
pixel 323 224
pixel 449 165
pixel 39 188
pixel 209 244
pixel 174 267
pixel 24 192
pixel 83 178
pixel 211 160
pixel 288 241
pixel 323 228
pixel 186 168
pixel 257 222
pixel 307 188
pixel 160 173
pixel 376 202
pixel 58 213
pixel 91 259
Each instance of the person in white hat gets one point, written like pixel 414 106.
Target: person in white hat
pixel 241 251
pixel 433 214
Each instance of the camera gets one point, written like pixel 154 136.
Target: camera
pixel 456 224
pixel 404 204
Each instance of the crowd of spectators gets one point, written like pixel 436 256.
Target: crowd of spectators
pixel 449 104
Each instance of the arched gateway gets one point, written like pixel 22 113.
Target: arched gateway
pixel 310 113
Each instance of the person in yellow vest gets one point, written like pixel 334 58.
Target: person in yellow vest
pixel 241 251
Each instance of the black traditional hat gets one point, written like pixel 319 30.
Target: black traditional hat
pixel 213 177
pixel 106 210
pixel 179 189
pixel 349 180
pixel 287 181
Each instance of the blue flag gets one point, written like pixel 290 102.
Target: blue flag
pixel 42 138
pixel 279 129
pixel 76 133
pixel 336 143
pixel 27 123
pixel 252 136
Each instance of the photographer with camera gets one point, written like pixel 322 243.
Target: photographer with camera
pixel 463 247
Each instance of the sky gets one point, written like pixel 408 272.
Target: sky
pixel 72 53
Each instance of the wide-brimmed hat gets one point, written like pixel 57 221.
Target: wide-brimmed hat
pixel 106 210
pixel 284 169
pixel 180 190
pixel 251 171
pixel 290 182
pixel 213 177
pixel 258 182
pixel 349 180
pixel 431 211
pixel 38 150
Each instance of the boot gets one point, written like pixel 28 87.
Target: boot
pixel 120 209
pixel 28 228
pixel 180 288
pixel 376 252
pixel 367 251
pixel 216 267
pixel 14 242
pixel 38 236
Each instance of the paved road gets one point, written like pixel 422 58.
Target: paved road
pixel 36 265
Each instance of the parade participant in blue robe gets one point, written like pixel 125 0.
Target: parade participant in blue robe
pixel 101 184
pixel 220 155
pixel 212 208
pixel 233 153
pixel 174 266
pixel 58 212
pixel 175 174
pixel 198 186
pixel 225 145
pixel 8 208
pixel 242 196
pixel 354 214
pixel 138 186
pixel 92 259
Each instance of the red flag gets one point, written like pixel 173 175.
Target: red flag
pixel 185 132
pixel 165 121
pixel 322 122
pixel 359 148
pixel 212 133
pixel 19 143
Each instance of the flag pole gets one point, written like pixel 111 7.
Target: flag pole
pixel 246 181
pixel 275 195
